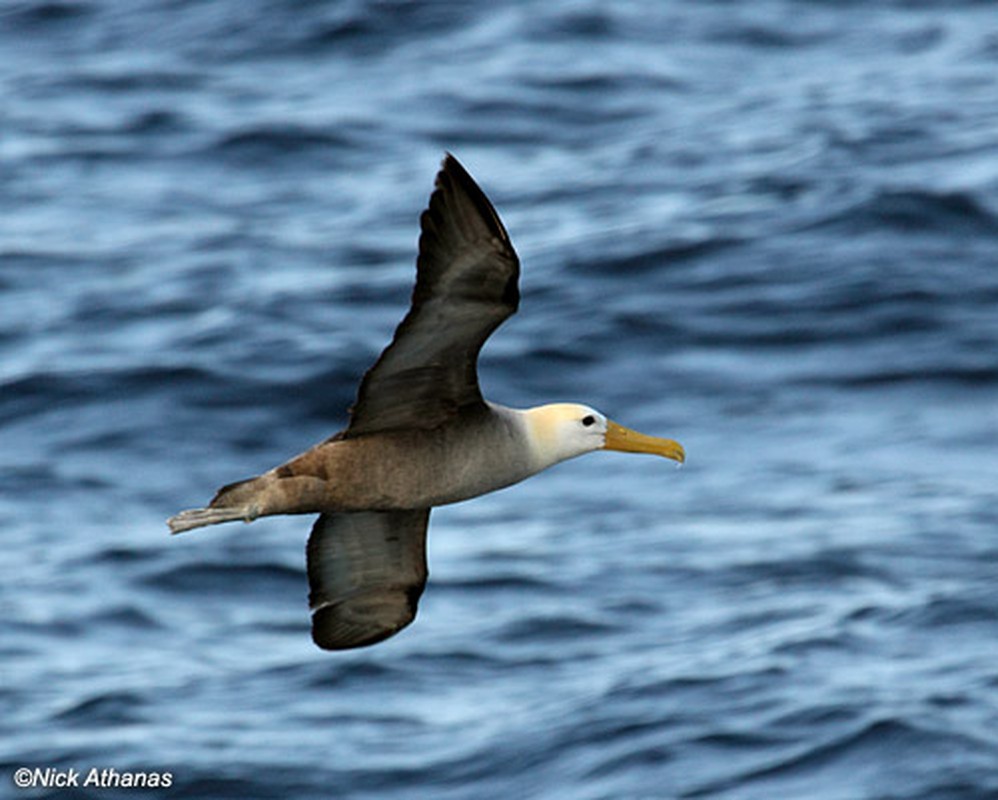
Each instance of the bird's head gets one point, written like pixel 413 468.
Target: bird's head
pixel 564 430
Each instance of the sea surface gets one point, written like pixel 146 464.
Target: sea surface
pixel 768 230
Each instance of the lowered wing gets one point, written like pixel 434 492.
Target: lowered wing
pixel 366 571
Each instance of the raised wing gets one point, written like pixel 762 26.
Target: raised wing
pixel 366 572
pixel 466 285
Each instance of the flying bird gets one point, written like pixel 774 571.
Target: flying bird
pixel 420 433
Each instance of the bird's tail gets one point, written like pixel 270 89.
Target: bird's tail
pixel 232 502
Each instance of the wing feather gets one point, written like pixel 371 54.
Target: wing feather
pixel 366 571
pixel 466 286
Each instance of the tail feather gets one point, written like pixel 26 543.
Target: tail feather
pixel 235 501
pixel 199 517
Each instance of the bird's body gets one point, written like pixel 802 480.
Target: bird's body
pixel 420 434
pixel 380 473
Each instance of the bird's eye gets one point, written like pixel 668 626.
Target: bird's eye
pixel 588 420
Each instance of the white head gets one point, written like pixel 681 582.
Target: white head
pixel 560 431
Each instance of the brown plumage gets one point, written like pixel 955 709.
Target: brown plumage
pixel 420 433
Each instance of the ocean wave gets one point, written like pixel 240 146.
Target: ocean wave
pixel 228 579
pixel 917 211
pixel 944 374
pixel 38 392
pixel 859 748
pixel 106 709
pixel 660 258
pixel 265 143
pixel 552 628
pixel 40 16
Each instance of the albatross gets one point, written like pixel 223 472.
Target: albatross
pixel 420 433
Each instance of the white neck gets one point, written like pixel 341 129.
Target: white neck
pixel 543 429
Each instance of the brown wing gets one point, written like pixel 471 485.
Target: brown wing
pixel 466 285
pixel 366 572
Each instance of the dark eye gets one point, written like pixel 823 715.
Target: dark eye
pixel 588 420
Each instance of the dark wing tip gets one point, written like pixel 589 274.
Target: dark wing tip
pixel 459 216
pixel 451 168
pixel 371 616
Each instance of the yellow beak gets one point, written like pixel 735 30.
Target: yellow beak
pixel 627 441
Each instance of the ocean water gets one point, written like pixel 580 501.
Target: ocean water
pixel 767 229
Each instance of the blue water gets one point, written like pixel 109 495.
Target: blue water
pixel 766 229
